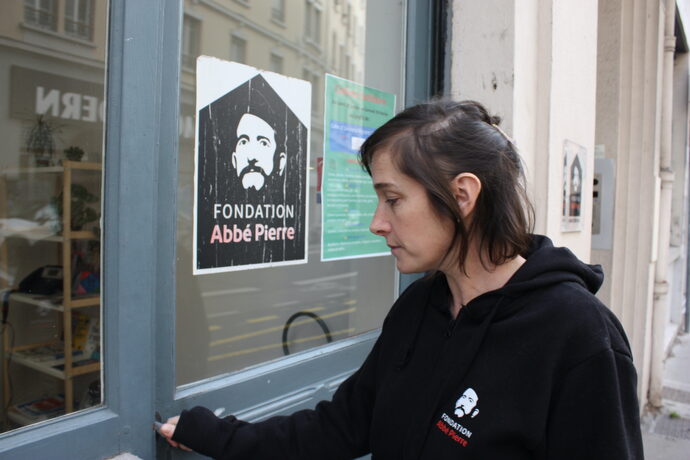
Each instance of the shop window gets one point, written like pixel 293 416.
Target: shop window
pixel 50 215
pixel 238 49
pixel 312 22
pixel 191 32
pixel 278 10
pixel 227 322
pixel 79 18
pixel 41 13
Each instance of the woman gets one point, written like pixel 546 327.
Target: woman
pixel 501 351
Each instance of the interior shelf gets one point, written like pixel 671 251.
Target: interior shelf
pixel 56 367
pixel 42 234
pixel 49 358
pixel 56 303
pixel 66 164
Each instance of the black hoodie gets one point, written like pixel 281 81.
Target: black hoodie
pixel 538 369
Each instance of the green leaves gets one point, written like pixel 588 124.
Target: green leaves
pixel 82 213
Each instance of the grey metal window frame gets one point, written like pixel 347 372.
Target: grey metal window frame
pixel 140 175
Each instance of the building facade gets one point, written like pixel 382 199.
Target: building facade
pixel 612 78
pixel 106 326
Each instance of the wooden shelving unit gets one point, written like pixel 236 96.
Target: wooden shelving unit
pixel 65 367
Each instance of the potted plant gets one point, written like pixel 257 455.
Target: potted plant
pixel 74 153
pixel 40 141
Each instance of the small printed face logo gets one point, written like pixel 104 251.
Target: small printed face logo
pixel 467 402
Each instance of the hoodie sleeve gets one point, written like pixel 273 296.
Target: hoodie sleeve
pixel 595 415
pixel 336 429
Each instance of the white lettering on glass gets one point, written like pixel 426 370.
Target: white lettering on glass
pixel 69 106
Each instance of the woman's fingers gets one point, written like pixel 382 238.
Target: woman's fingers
pixel 167 430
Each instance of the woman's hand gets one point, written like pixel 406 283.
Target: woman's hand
pixel 168 429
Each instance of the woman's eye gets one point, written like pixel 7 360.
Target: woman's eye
pixel 264 143
pixel 243 142
pixel 391 201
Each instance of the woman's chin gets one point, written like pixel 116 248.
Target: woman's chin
pixel 407 269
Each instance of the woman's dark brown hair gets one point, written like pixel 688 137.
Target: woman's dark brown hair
pixel 434 142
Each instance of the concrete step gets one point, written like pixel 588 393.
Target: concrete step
pixel 676 401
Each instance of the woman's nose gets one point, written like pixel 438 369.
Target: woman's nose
pixel 379 225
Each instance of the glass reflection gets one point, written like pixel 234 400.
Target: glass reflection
pixel 52 69
pixel 230 321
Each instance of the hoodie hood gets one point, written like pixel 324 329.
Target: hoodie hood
pixel 546 265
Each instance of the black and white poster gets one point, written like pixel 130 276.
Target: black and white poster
pixel 251 177
pixel 574 162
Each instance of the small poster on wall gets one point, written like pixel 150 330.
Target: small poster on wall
pixel 574 162
pixel 352 113
pixel 250 176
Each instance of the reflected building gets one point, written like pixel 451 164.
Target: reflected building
pixel 301 39
pixel 52 71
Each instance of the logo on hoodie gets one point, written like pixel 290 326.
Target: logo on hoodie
pixel 467 404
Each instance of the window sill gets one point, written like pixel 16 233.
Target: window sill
pixel 279 23
pixel 195 392
pixel 38 432
pixel 61 36
pixel 311 42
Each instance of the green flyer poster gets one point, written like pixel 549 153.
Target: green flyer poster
pixel 352 113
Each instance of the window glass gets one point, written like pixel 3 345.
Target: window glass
pixel 41 13
pixel 312 21
pixel 278 10
pixel 52 100
pixel 190 42
pixel 230 321
pixel 238 49
pixel 276 63
pixel 79 18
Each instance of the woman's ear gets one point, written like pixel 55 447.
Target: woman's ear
pixel 466 188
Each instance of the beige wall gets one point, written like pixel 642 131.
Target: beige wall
pixel 608 94
pixel 530 96
pixel 534 63
pixel 573 103
pixel 482 59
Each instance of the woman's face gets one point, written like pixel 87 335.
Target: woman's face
pixel 419 238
